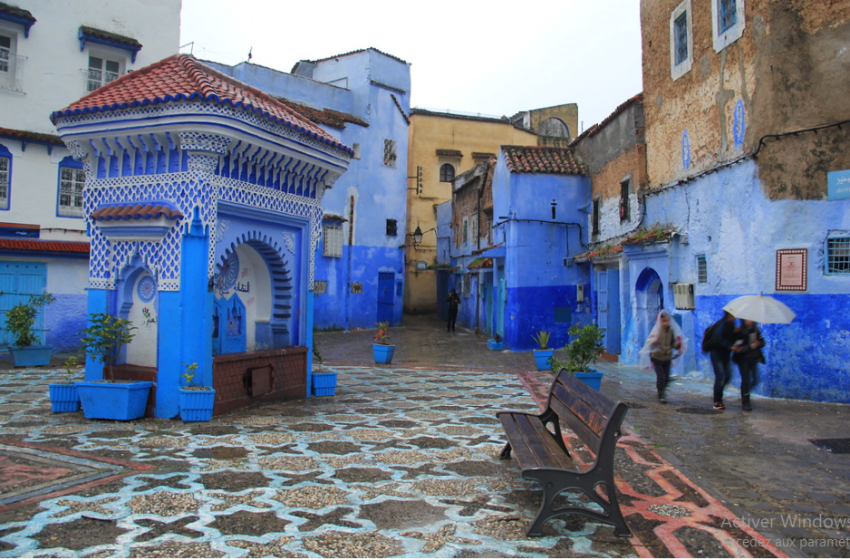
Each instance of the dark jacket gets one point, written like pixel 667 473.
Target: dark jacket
pixel 454 301
pixel 748 335
pixel 724 337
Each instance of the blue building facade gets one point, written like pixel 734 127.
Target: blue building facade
pixel 362 98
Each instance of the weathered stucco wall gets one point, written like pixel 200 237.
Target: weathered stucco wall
pixel 787 71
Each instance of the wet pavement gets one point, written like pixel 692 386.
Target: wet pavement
pixel 403 461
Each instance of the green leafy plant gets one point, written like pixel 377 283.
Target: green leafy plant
pixel 71 365
pixel 542 339
pixel 189 374
pixel 585 347
pixel 383 333
pixel 21 318
pixel 104 338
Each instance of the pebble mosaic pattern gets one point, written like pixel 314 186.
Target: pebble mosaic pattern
pixel 399 462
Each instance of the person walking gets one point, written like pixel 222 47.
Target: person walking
pixel 723 339
pixel 747 354
pixel 665 337
pixel 454 302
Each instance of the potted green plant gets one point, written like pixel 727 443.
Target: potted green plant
pixel 496 343
pixel 196 401
pixel 585 347
pixel 107 399
pixel 544 353
pixel 63 394
pixel 28 350
pixel 322 379
pixel 382 351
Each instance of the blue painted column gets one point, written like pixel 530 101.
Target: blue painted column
pixel 98 302
pixel 185 325
pixel 309 343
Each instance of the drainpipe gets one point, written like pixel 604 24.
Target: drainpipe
pixel 348 276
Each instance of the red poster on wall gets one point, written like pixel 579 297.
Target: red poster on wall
pixel 792 273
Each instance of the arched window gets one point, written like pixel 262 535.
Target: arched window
pixel 554 127
pixel 447 173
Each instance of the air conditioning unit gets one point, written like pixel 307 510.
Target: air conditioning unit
pixel 683 296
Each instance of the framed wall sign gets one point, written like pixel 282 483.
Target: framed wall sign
pixel 792 272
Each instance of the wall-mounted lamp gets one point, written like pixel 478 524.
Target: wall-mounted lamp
pixel 554 205
pixel 418 233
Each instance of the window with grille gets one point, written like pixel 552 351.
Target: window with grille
pixel 838 255
pixel 681 40
pixel 702 270
pixel 320 287
pixel 447 173
pixel 5 53
pixel 72 180
pixel 680 28
pixel 727 22
pixel 595 217
pixel 392 228
pixel 390 153
pixel 5 179
pixel 465 230
pixel 728 15
pixel 101 72
pixel 333 240
pixel 624 202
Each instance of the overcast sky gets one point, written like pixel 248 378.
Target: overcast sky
pixel 492 58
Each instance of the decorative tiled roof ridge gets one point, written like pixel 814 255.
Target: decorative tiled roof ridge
pixel 182 77
pixel 542 159
pixel 109 36
pixel 31 136
pixel 152 210
pixel 43 246
pixel 479 155
pixel 479 251
pixel 620 108
pixel 358 51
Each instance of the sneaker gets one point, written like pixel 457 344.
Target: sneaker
pixel 719 406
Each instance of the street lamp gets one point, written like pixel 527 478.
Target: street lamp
pixel 417 236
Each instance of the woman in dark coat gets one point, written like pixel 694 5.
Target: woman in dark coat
pixel 747 354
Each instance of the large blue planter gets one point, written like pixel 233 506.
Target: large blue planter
pixel 323 384
pixel 592 378
pixel 383 353
pixel 541 359
pixel 31 356
pixel 197 405
pixel 114 401
pixel 493 345
pixel 64 397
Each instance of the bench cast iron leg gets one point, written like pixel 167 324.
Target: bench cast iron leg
pixel 506 452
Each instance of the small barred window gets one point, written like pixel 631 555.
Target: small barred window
pixel 390 156
pixel 838 255
pixel 333 240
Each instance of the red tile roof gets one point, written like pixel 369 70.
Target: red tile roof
pixel 31 136
pixel 182 77
pixel 144 211
pixel 542 159
pixel 40 246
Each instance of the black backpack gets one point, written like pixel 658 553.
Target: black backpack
pixel 708 338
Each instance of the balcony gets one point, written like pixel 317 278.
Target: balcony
pixel 11 71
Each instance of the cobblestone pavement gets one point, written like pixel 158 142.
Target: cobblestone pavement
pixel 761 466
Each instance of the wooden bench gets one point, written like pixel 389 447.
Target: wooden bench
pixel 541 454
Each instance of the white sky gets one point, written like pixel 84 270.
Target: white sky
pixel 492 58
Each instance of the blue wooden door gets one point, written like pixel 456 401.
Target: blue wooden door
pixel 386 296
pixel 230 328
pixel 612 328
pixel 18 281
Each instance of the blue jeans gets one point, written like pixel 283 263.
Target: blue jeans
pixel 749 376
pixel 722 365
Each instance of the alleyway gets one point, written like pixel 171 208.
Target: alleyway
pixel 403 461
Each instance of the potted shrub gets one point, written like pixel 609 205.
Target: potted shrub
pixel 496 343
pixel 196 402
pixel 107 399
pixel 322 380
pixel 382 351
pixel 28 350
pixel 585 347
pixel 544 353
pixel 63 394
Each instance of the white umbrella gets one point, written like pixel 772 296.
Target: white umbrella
pixel 761 309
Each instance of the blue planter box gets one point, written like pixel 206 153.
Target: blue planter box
pixel 323 384
pixel 592 378
pixel 64 397
pixel 196 406
pixel 31 356
pixel 383 353
pixel 541 359
pixel 114 401
pixel 493 345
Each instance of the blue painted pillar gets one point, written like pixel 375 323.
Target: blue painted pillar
pixel 185 325
pixel 98 302
pixel 309 343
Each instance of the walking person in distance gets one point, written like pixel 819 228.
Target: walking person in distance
pixel 454 302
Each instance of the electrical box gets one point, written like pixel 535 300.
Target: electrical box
pixel 683 296
pixel 580 293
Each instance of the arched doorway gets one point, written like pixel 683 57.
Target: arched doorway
pixel 649 295
pixel 138 301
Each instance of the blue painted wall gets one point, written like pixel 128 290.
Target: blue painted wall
pixel 726 217
pixel 355 84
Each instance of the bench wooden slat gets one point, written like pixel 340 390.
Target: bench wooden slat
pixel 587 422
pixel 533 445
